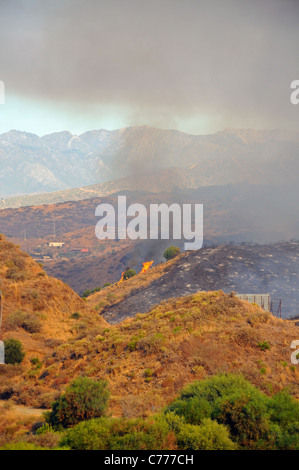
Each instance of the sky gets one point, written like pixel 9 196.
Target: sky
pixel 192 65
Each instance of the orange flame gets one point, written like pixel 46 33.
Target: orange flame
pixel 146 265
pixel 122 278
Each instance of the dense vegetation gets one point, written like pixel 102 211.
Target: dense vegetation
pixel 223 412
pixel 253 419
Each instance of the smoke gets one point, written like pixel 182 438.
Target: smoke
pixel 168 64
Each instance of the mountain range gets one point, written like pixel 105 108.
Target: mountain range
pixel 101 162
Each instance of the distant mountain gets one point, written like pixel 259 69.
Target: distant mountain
pixel 60 161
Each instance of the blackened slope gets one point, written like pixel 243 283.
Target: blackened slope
pixel 245 269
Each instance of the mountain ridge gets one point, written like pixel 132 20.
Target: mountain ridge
pixel 60 161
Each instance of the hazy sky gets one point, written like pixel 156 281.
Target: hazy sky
pixel 193 65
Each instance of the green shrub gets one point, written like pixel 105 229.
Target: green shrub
pixel 148 373
pixel 246 415
pixel 208 436
pixel 279 438
pixel 35 362
pixel 171 252
pixel 14 353
pixel 75 315
pixel 133 343
pixel 230 399
pixel 284 410
pixel 86 293
pixel 88 435
pixel 129 273
pixel 264 345
pixel 83 399
pixel 120 434
pixel 253 419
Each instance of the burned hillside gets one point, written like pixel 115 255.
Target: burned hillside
pixel 269 269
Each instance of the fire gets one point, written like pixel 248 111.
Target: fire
pixel 146 265
pixel 122 278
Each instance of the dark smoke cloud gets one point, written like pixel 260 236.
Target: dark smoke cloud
pixel 163 61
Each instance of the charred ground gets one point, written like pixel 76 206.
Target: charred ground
pixel 269 269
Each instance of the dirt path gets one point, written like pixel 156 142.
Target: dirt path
pixel 24 410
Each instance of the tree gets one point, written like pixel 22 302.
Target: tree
pixel 14 353
pixel 129 273
pixel 83 399
pixel 171 252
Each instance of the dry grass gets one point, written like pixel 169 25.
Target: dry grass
pixel 118 292
pixel 15 422
pixel 148 359
pixel 38 311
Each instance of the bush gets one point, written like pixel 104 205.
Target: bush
pixel 281 438
pixel 14 353
pixel 200 399
pixel 230 399
pixel 129 273
pixel 86 293
pixel 120 434
pixel 29 322
pixel 253 419
pixel 35 362
pixel 264 345
pixel 171 252
pixel 284 410
pixel 16 274
pixel 208 436
pixel 83 399
pixel 88 435
pixel 133 343
pixel 164 432
pixel 246 415
pixel 151 343
pixel 75 316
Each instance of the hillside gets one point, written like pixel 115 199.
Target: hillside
pixel 98 163
pixel 256 269
pixel 37 309
pixel 148 359
pixel 232 213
